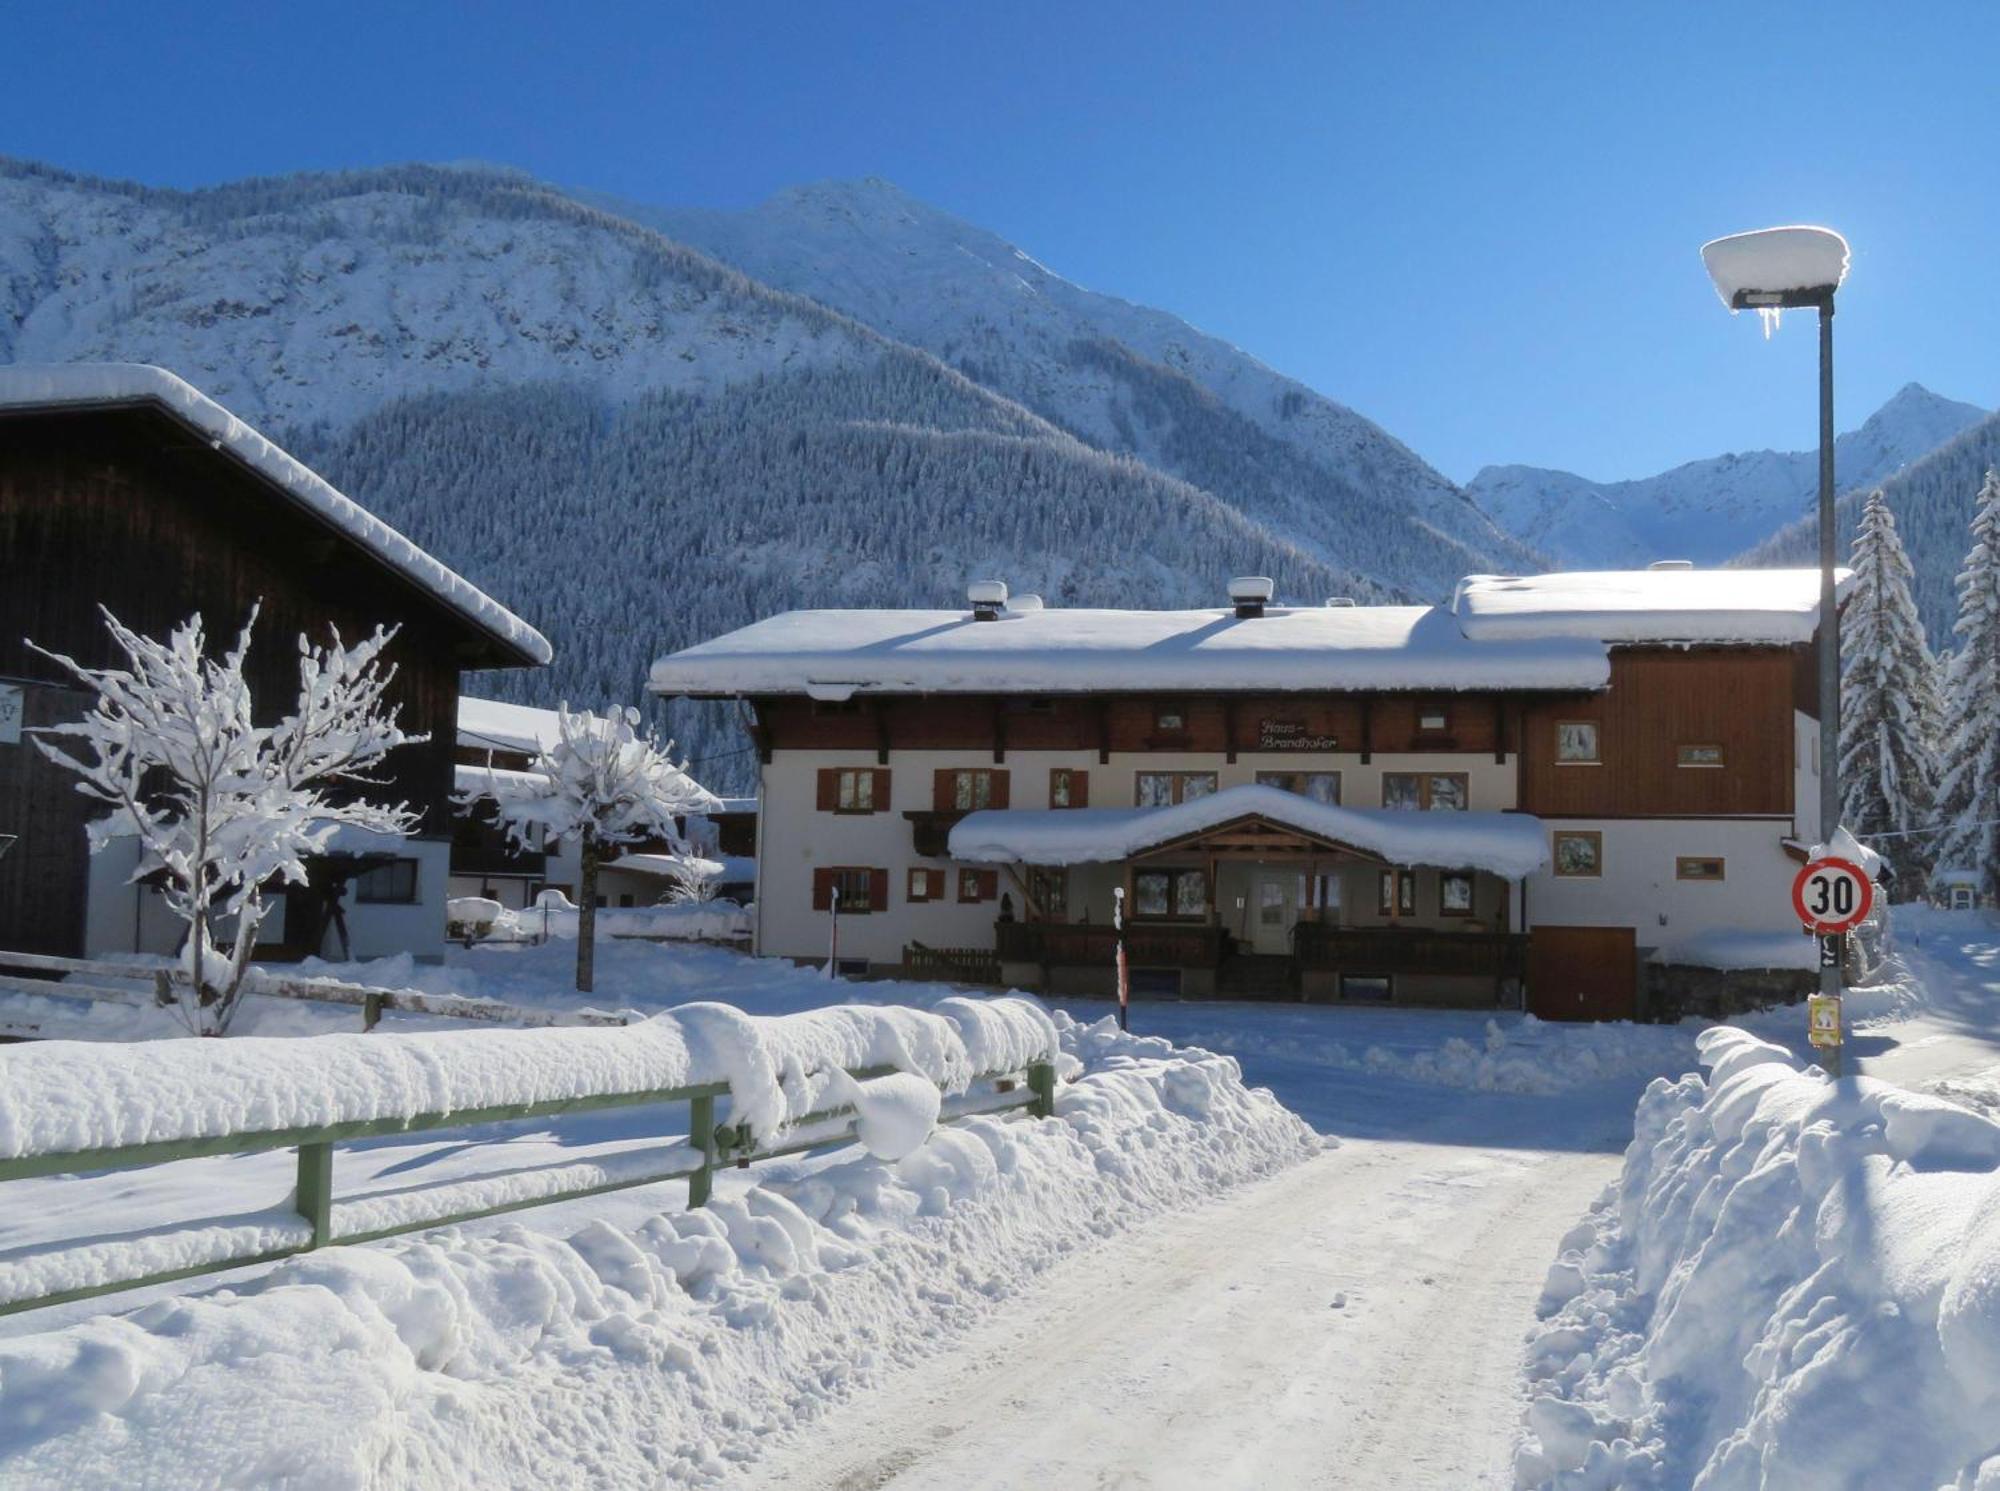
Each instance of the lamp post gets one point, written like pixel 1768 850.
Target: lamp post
pixel 1770 271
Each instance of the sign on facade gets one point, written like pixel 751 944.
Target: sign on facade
pixel 13 705
pixel 1291 735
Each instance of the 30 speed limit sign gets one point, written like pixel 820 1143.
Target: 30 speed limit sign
pixel 1832 895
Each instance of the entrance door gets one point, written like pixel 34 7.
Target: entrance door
pixel 1274 907
pixel 1583 973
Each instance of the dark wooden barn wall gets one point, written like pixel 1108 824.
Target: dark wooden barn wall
pixel 42 876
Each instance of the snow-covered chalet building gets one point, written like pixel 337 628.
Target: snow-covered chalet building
pixel 122 486
pixel 1587 792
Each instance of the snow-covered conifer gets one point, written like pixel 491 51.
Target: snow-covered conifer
pixel 1969 779
pixel 603 783
pixel 1889 708
pixel 224 808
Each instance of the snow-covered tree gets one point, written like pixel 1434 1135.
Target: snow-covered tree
pixel 1889 708
pixel 604 782
pixel 1969 780
pixel 694 880
pixel 224 808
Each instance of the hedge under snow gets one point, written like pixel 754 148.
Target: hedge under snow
pixel 1794 1284
pixel 61 1096
pixel 656 1354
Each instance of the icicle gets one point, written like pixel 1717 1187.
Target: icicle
pixel 1770 315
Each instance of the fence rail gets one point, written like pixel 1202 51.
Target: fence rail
pixel 706 1147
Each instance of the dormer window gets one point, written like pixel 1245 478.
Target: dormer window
pixel 1433 719
pixel 1169 719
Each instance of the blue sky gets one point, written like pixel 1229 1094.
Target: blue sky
pixel 1477 224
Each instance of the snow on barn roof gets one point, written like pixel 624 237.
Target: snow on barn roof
pixel 493 724
pixel 82 384
pixel 1648 605
pixel 1507 844
pixel 837 654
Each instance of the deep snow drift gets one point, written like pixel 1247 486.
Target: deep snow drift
pixel 1795 1284
pixel 659 1351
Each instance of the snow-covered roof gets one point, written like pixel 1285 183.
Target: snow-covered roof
pixel 83 384
pixel 491 724
pixel 837 654
pixel 1648 605
pixel 479 781
pixel 1508 844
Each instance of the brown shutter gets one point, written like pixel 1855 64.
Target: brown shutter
pixel 881 789
pixel 941 789
pixel 998 799
pixel 938 886
pixel 989 884
pixel 829 788
pixel 822 888
pixel 1079 789
pixel 878 890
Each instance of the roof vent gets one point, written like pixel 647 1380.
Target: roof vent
pixel 1022 603
pixel 1340 600
pixel 1250 594
pixel 987 597
pixel 1671 564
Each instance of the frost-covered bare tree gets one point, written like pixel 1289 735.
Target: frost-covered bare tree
pixel 604 782
pixel 224 808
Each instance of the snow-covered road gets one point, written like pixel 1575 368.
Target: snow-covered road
pixel 1354 1322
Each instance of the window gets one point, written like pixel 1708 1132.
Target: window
pixel 1414 791
pixel 859 890
pixel 1433 719
pixel 1579 853
pixel 1159 789
pixel 1576 743
pixel 1455 893
pixel 1170 895
pixel 1270 903
pixel 393 884
pixel 1048 889
pixel 1169 719
pixel 1370 988
pixel 968 790
pixel 978 885
pixel 1697 867
pixel 1320 786
pixel 1069 787
pixel 853 789
pixel 1706 754
pixel 926 885
pixel 1404 883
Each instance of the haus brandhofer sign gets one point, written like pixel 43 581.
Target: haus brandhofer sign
pixel 1291 735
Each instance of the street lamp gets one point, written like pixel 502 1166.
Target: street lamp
pixel 1769 271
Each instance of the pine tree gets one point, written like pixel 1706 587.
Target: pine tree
pixel 1890 709
pixel 1969 783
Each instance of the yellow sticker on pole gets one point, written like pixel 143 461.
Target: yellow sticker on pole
pixel 1823 1019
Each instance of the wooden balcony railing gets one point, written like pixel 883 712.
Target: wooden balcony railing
pixel 1410 950
pixel 1094 944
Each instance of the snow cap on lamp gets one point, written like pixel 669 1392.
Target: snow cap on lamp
pixel 1776 267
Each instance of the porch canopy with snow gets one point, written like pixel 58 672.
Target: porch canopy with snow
pixel 1270 874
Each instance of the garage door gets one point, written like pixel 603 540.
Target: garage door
pixel 1583 973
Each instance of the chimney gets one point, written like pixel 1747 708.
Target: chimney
pixel 1250 594
pixel 1671 564
pixel 987 597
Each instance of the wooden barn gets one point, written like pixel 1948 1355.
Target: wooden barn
pixel 123 487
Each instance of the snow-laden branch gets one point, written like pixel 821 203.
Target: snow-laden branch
pixel 222 807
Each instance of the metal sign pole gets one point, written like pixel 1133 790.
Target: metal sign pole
pixel 1829 651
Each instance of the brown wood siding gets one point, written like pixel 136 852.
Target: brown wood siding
pixel 1660 699
pixel 1583 973
pixel 125 508
pixel 43 876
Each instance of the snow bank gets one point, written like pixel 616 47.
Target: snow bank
pixel 1795 1283
pixel 661 1353
pixel 59 1096
pixel 53 385
pixel 1508 844
pixel 1726 949
pixel 701 921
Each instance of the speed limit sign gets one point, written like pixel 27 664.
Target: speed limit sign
pixel 1832 895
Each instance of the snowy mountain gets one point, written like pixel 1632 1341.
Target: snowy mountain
pixel 1124 377
pixel 1709 510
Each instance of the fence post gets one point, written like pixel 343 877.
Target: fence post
pixel 314 1200
pixel 1042 1083
pixel 701 1129
pixel 371 1010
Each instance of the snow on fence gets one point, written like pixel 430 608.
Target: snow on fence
pixel 791 1083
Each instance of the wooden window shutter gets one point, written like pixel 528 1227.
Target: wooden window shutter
pixel 999 797
pixel 829 788
pixel 943 783
pixel 1079 789
pixel 989 884
pixel 878 890
pixel 822 887
pixel 881 789
pixel 937 884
